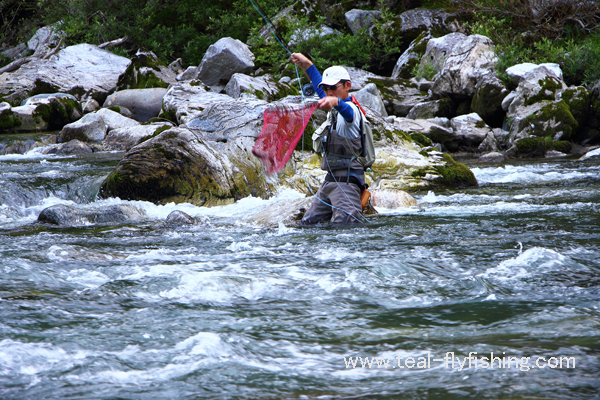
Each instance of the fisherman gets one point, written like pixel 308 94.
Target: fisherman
pixel 339 197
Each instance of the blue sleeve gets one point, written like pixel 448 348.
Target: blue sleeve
pixel 315 77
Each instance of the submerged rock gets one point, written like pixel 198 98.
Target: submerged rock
pixel 177 218
pixel 73 216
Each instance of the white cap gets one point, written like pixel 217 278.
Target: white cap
pixel 333 75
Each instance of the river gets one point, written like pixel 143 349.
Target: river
pixel 411 305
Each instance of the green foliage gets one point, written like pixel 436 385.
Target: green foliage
pixel 424 70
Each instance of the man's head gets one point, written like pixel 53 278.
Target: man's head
pixel 336 82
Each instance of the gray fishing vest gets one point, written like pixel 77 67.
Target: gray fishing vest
pixel 340 153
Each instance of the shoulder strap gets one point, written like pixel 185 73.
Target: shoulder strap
pixel 358 104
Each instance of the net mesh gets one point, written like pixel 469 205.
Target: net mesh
pixel 282 129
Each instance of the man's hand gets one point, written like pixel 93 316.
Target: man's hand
pixel 301 60
pixel 327 103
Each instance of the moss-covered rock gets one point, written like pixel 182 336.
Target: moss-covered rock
pixel 487 101
pixel 553 119
pixel 578 100
pixel 146 71
pixel 8 121
pixel 536 147
pixel 454 174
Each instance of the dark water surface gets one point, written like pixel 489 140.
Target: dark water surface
pixel 226 309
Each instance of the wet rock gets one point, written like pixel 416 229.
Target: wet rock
pixel 223 59
pixel 83 70
pixel 286 212
pixel 392 199
pixel 470 60
pixel 72 147
pixel 19 147
pixel 178 218
pixel 590 154
pixel 554 154
pixel 142 103
pixel 361 20
pixel 146 71
pixel 179 165
pixel 64 215
pixel 370 97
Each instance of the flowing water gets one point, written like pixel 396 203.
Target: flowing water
pixel 227 309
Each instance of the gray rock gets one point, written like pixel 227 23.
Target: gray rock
pixel 73 216
pixel 545 118
pixel 223 59
pixel 72 147
pixel 45 38
pixel 554 154
pixel 518 72
pixel 487 101
pixel 31 121
pixel 493 157
pixel 176 67
pixel 143 103
pixel 90 128
pixel 392 199
pixel 178 218
pixel 412 23
pixel 90 105
pixel 263 87
pixel 473 129
pixel 37 97
pixel 189 74
pixel 469 61
pixel 537 84
pixel 411 57
pixel 431 109
pixel 370 97
pixel 437 133
pixel 305 34
pixel 114 120
pixel 123 139
pixel 360 78
pixel 146 71
pixel 361 20
pixel 184 100
pixel 16 52
pixel 19 147
pixel 439 49
pixel 82 70
pixel 489 144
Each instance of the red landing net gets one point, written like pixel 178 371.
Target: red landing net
pixel 282 129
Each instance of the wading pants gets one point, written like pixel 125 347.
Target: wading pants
pixel 345 199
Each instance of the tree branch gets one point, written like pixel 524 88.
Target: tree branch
pixel 113 43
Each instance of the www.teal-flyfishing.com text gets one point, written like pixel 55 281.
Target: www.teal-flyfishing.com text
pixel 473 360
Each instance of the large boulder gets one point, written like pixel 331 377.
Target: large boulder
pixel 399 96
pixel 82 70
pixel 114 120
pixel 361 20
pixel 48 112
pixel 437 50
pixel 146 71
pixel 433 131
pixel 223 59
pixel 142 103
pixel 75 216
pixel 470 60
pixel 179 165
pixel 28 119
pixel 543 119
